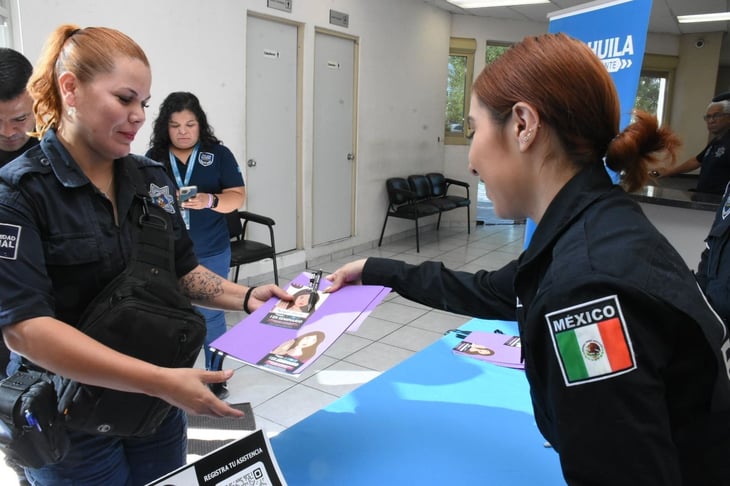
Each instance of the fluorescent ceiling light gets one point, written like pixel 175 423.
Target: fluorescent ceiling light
pixel 711 17
pixel 494 3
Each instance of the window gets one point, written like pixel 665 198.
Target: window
pixel 458 89
pixel 652 94
pixel 494 50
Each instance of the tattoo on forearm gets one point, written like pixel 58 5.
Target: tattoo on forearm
pixel 202 286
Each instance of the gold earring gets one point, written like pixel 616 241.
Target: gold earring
pixel 526 136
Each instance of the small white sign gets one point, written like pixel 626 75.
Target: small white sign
pixel 283 5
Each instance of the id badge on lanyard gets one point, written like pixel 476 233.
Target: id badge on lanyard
pixel 192 160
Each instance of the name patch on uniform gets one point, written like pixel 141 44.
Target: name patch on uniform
pixel 9 241
pixel 591 341
pixel 162 197
pixel 205 158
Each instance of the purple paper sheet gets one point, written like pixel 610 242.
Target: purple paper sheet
pixel 254 341
pixel 505 350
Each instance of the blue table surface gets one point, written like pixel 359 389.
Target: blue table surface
pixel 436 418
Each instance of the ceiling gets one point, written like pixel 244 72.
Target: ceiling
pixel 663 15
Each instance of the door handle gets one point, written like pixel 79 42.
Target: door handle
pixel 251 163
pixel 350 157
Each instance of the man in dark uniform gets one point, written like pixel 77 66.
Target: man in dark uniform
pixel 16 106
pixel 713 274
pixel 714 160
pixel 16 121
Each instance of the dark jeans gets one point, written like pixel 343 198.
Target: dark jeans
pixel 215 320
pixel 95 460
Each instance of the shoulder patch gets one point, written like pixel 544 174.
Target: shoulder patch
pixel 9 241
pixel 162 197
pixel 591 341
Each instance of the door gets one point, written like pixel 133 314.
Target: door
pixel 271 128
pixel 334 148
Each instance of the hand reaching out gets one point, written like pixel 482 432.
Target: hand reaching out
pixel 349 273
pixel 187 389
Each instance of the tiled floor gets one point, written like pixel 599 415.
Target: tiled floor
pixel 395 330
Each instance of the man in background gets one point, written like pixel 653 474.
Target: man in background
pixel 16 106
pixel 16 121
pixel 714 160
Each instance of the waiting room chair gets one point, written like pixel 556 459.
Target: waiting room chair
pixel 440 192
pixel 402 203
pixel 248 251
pixel 421 186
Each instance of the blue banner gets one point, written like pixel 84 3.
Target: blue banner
pixel 616 31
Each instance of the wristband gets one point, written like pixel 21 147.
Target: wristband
pixel 210 201
pixel 245 300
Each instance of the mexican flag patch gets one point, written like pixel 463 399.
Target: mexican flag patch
pixel 591 341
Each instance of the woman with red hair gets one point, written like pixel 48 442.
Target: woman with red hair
pixel 622 352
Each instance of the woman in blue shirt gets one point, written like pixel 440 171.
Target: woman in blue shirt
pixel 184 142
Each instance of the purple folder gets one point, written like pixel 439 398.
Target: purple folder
pixel 287 340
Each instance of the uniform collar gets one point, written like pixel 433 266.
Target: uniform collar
pixel 722 138
pixel 65 168
pixel 70 175
pixel 587 186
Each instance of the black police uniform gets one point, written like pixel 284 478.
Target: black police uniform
pixel 715 165
pixel 6 157
pixel 713 271
pixel 59 243
pixel 622 352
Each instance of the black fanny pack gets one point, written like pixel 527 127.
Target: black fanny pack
pixel 141 313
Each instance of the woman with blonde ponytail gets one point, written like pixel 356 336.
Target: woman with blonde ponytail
pixel 67 221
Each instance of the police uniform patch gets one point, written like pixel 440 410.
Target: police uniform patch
pixel 162 197
pixel 205 158
pixel 9 241
pixel 591 341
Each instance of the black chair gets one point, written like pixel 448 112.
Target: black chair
pixel 248 251
pixel 439 191
pixel 402 203
pixel 421 186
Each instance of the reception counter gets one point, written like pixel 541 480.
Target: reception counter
pixel 682 215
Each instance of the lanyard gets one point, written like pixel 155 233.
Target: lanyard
pixel 191 165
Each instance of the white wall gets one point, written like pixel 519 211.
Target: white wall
pixel 200 47
pixel 695 83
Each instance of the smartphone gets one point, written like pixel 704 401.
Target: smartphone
pixel 186 192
